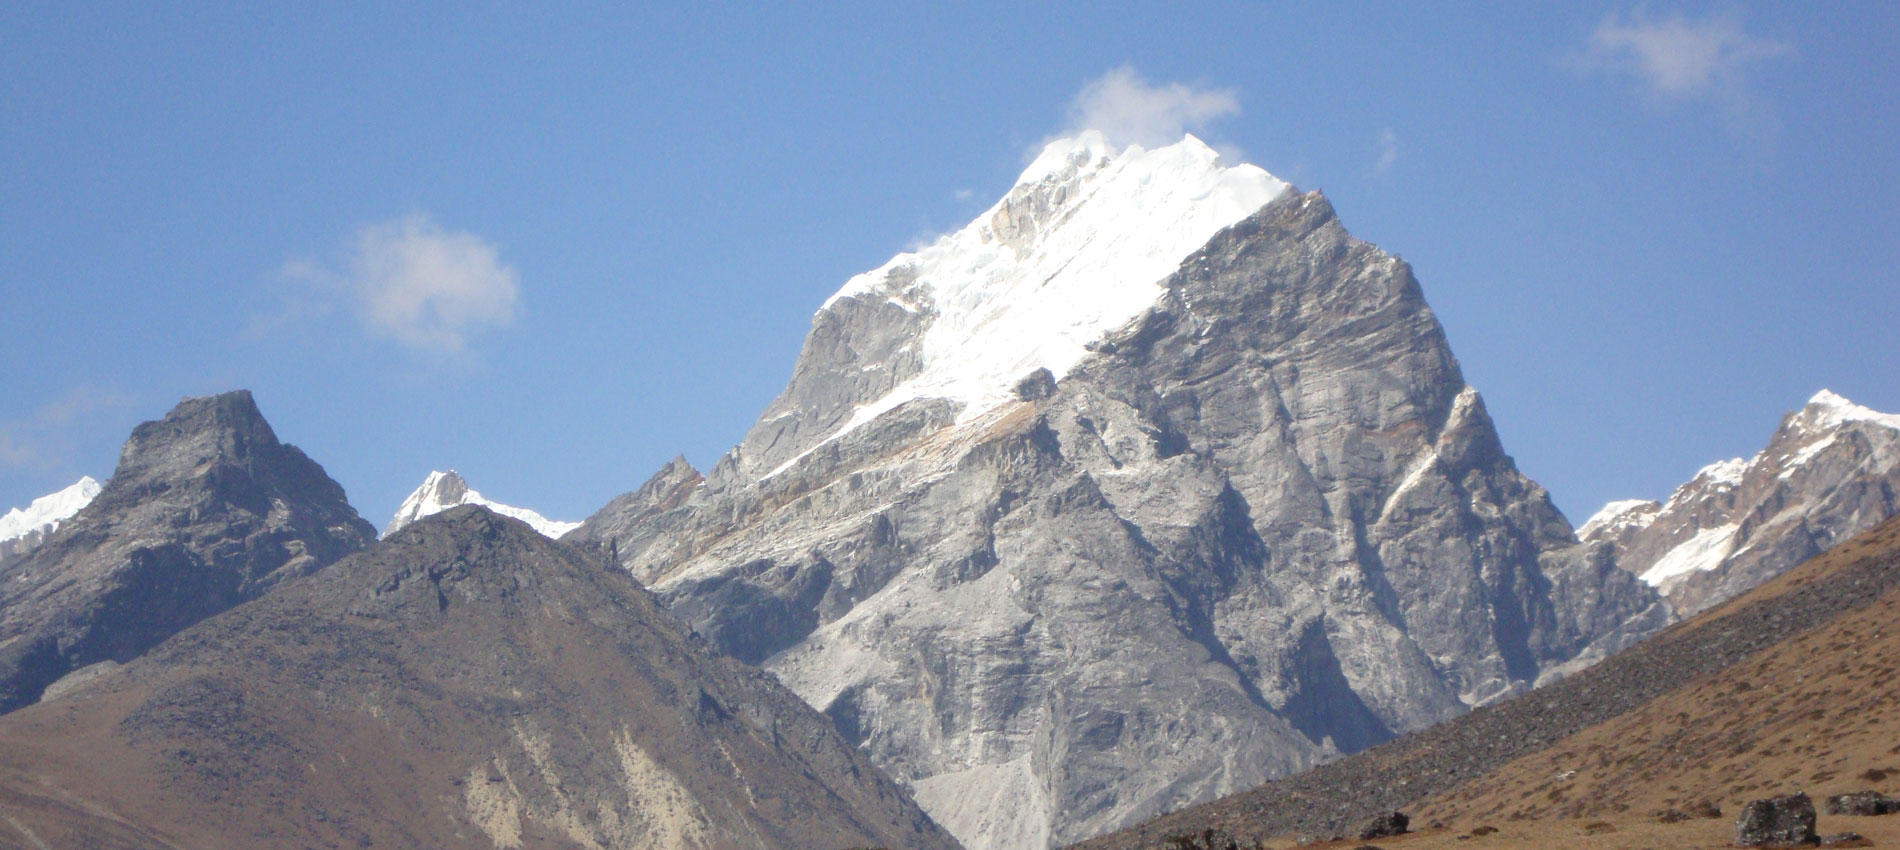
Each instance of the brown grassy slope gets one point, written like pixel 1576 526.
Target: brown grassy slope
pixel 1819 713
pixel 1851 585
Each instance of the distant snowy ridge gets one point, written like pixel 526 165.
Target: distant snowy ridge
pixel 444 490
pixel 24 529
pixel 1824 475
pixel 1081 245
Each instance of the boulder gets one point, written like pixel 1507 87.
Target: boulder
pixel 1862 803
pixel 1385 826
pixel 1777 822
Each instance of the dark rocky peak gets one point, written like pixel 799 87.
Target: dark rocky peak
pixel 220 448
pixel 206 510
pixel 466 556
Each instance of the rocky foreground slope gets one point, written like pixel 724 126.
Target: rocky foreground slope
pixel 1151 484
pixel 466 683
pixel 1789 687
pixel 206 510
pixel 1831 471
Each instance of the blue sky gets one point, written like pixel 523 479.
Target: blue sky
pixel 551 247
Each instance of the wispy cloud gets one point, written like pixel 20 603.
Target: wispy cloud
pixel 1388 152
pixel 43 439
pixel 1681 59
pixel 412 281
pixel 1131 111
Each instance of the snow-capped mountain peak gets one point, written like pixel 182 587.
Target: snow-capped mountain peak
pixel 1737 522
pixel 444 490
pixel 23 529
pixel 1081 245
pixel 1828 409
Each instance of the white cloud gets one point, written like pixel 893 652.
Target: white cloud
pixel 413 281
pixel 1680 59
pixel 1388 152
pixel 1130 111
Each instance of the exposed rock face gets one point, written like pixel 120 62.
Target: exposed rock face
pixel 1777 822
pixel 444 490
pixel 1832 470
pixel 1261 523
pixel 466 683
pixel 206 510
pixel 24 529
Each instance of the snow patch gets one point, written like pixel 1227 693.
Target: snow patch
pixel 1424 464
pixel 1619 515
pixel 1081 246
pixel 46 512
pixel 1705 551
pixel 1806 454
pixel 1727 472
pixel 444 490
pixel 1828 409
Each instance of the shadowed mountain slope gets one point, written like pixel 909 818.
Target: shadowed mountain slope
pixel 466 683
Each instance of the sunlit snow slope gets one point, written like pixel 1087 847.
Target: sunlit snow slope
pixel 1079 247
pixel 23 529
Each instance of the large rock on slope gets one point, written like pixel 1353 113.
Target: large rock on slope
pixel 1253 521
pixel 467 683
pixel 206 510
pixel 1831 471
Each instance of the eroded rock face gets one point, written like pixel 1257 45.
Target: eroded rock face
pixel 1264 523
pixel 1831 470
pixel 206 510
pixel 466 683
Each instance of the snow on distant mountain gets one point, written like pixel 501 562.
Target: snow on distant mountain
pixel 24 529
pixel 1830 471
pixel 444 490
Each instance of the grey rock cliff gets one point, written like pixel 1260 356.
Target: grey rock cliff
pixel 1830 471
pixel 1263 524
pixel 206 510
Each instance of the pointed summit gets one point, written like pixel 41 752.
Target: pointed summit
pixel 1828 409
pixel 1143 478
pixel 444 490
pixel 1082 244
pixel 206 510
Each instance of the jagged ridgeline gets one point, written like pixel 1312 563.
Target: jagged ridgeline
pixel 206 510
pixel 192 661
pixel 1150 484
